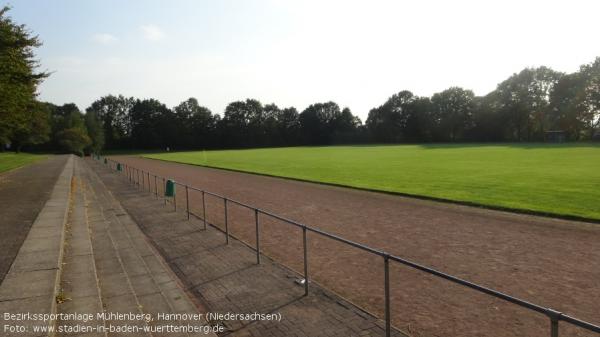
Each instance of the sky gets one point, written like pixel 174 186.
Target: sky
pixel 295 53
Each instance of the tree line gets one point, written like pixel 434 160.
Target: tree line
pixel 525 107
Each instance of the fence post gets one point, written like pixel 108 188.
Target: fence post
pixel 305 260
pixel 203 209
pixel 155 187
pixel 137 171
pixel 149 186
pixel 257 237
pixel 164 196
pixel 187 202
pixel 143 180
pixel 226 223
pixel 388 323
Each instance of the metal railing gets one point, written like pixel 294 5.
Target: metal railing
pixel 554 316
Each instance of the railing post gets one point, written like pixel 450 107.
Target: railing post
pixel 175 196
pixel 305 260
pixel 554 317
pixel 187 202
pixel 553 327
pixel 204 210
pixel 164 196
pixel 149 187
pixel 137 171
pixel 226 222
pixel 155 187
pixel 388 323
pixel 143 180
pixel 257 237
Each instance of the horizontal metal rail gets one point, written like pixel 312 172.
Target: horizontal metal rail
pixel 554 315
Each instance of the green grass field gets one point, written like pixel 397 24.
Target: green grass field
pixel 11 160
pixel 557 179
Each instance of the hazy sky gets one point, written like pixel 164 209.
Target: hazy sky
pixel 294 53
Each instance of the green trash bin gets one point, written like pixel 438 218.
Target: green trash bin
pixel 170 188
pixel 119 167
pixel 105 161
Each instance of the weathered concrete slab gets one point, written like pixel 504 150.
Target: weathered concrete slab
pixel 29 284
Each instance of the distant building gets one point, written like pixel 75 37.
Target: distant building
pixel 555 136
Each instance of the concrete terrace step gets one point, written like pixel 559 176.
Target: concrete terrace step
pixel 131 276
pixel 32 283
pixel 80 291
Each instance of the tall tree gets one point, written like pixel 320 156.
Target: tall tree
pixel 591 96
pixel 196 124
pixel 95 131
pixel 114 112
pixel 21 119
pixel 419 124
pixel 387 122
pixel 242 123
pixel 36 129
pixel 525 99
pixel 69 129
pixel 288 122
pixel 453 111
pixel 319 121
pixel 152 125
pixel 567 111
pixel 346 127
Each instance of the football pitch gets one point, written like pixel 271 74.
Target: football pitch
pixel 560 179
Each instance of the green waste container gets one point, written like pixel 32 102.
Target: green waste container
pixel 105 161
pixel 170 188
pixel 119 167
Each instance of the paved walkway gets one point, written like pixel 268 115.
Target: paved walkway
pixel 226 278
pixel 85 255
pixel 23 193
